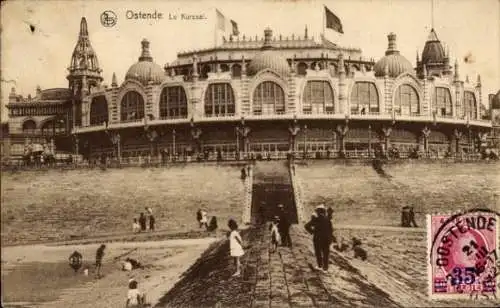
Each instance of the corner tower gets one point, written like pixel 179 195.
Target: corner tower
pixel 84 71
pixel 434 58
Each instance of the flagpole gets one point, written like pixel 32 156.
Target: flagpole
pixel 323 13
pixel 215 29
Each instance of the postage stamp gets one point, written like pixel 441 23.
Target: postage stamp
pixel 462 250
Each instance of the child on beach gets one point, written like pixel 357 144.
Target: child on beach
pixel 134 297
pixel 275 235
pixel 235 245
pixel 135 226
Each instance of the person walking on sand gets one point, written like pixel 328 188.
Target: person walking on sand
pixel 151 223
pixel 235 245
pixel 275 235
pixel 321 229
pixel 142 222
pixel 204 219
pixel 98 259
pixel 284 227
pixel 198 217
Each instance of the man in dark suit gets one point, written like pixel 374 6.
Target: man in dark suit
pixel 284 226
pixel 320 226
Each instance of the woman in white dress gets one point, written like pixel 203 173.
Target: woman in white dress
pixel 235 245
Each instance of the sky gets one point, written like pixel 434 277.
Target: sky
pixel 41 57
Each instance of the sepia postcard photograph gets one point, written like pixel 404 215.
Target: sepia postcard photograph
pixel 266 153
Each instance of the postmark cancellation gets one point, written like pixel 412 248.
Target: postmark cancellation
pixel 463 255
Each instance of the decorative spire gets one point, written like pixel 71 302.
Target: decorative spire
pixel 195 67
pixel 457 76
pixel 83 60
pixel 145 55
pixel 114 82
pixel 305 33
pixel 341 64
pixel 418 60
pixel 467 78
pixel 478 80
pixel 83 28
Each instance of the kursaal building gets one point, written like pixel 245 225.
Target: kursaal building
pixel 257 96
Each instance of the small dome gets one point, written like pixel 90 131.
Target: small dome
pixel 495 102
pixel 395 63
pixel 433 51
pixel 145 70
pixel 269 59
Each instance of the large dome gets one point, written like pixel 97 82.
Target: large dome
pixel 433 51
pixel 269 59
pixel 395 63
pixel 145 70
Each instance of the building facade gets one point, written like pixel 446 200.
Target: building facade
pixel 268 95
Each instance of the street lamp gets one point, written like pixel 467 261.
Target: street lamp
pixel 369 141
pixel 305 140
pixel 173 143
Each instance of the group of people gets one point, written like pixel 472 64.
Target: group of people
pixel 280 229
pixel 140 225
pixel 202 218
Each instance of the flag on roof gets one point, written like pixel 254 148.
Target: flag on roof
pixel 236 32
pixel 332 21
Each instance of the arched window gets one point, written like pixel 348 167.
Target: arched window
pixel 219 100
pixel 29 127
pixel 406 101
pixel 470 106
pixel 236 70
pixel 53 126
pixel 302 69
pixel 268 98
pixel 318 97
pixel 132 107
pixel 364 98
pixel 442 102
pixel 173 103
pixel 98 111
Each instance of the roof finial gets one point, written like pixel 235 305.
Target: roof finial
pixel 478 79
pixel 145 55
pixel 114 82
pixel 392 48
pixel 305 33
pixel 83 27
pixel 432 14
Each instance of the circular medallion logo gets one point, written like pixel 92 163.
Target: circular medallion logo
pixel 108 19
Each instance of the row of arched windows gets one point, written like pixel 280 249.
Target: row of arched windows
pixel 269 98
pixel 48 127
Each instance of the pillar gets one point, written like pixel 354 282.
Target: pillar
pixel 341 132
pixel 294 130
pixel 386 132
pixel 425 136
